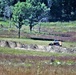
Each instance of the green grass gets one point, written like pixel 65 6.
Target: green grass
pixel 55 26
pixel 6 50
pixel 47 24
pixel 4 23
pixel 69 44
pixel 27 41
pixel 61 24
pixel 22 52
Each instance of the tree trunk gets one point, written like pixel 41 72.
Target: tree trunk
pixel 10 22
pixel 39 28
pixel 19 33
pixel 31 27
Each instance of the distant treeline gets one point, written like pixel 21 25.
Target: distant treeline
pixel 60 10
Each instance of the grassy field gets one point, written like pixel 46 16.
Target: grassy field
pixel 65 31
pixel 26 62
pixel 57 26
pixel 19 62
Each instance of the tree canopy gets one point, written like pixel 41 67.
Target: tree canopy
pixel 26 12
pixel 60 10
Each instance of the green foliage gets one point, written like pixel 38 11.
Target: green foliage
pixel 1 6
pixel 6 50
pixel 66 10
pixel 26 12
pixel 19 14
pixel 36 10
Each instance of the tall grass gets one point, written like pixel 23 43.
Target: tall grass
pixel 35 70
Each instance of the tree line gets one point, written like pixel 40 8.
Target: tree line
pixel 63 10
pixel 60 10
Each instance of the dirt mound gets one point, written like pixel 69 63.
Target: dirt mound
pixel 35 47
pixel 10 44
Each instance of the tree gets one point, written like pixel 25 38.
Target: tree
pixel 2 5
pixel 5 10
pixel 36 13
pixel 26 12
pixel 63 10
pixel 56 10
pixel 19 15
pixel 5 3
